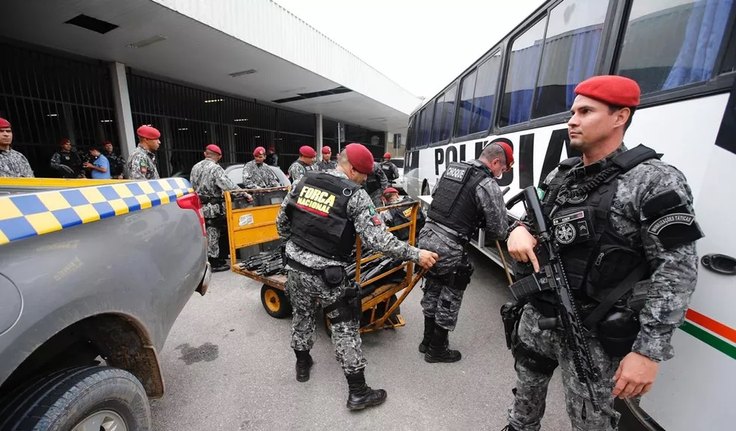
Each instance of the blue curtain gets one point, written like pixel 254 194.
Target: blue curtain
pixel 522 72
pixel 702 42
pixel 581 64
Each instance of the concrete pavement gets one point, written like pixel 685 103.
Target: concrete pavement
pixel 228 366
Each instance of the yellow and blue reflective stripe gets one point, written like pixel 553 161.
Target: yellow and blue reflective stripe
pixel 26 215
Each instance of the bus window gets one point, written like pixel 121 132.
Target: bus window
pixel 570 51
pixel 465 110
pixel 444 111
pixel 425 127
pixel 521 76
pixel 477 97
pixel 411 133
pixel 669 44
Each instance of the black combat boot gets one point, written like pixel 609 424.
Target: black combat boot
pixel 428 331
pixel 361 395
pixel 508 428
pixel 303 364
pixel 438 351
pixel 218 265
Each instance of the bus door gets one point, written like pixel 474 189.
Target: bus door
pixel 694 390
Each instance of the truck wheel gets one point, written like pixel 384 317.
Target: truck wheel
pixel 275 302
pixel 80 399
pixel 425 188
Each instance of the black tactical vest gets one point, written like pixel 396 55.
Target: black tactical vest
pixel 318 214
pixel 453 201
pixel 595 258
pixel 387 169
pixel 372 183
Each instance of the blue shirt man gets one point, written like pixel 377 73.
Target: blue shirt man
pixel 100 167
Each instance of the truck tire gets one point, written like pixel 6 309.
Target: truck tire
pixel 103 398
pixel 275 302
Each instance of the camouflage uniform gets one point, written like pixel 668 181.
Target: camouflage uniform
pixel 259 176
pixel 142 165
pixel 326 166
pixel 209 181
pixel 666 292
pixel 14 164
pixel 441 299
pixel 298 169
pixel 307 291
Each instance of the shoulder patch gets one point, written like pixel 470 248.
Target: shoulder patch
pixel 675 229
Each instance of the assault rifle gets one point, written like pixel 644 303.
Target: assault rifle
pixel 552 277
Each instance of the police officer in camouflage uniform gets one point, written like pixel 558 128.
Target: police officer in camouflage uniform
pixel 319 220
pixel 66 162
pixel 626 231
pixel 326 164
pixel 303 163
pixel 400 215
pixel 389 169
pixel 142 161
pixel 467 197
pixel 256 174
pixel 209 180
pixel 12 163
pixel 376 184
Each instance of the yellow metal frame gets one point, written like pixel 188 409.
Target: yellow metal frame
pixel 255 225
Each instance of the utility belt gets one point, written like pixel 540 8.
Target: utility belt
pixel 333 276
pixel 447 232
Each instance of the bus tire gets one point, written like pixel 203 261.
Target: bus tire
pixel 275 302
pixel 425 188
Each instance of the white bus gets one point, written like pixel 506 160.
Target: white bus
pixel 683 55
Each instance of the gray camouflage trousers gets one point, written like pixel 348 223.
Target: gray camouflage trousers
pixel 217 240
pixel 442 298
pixel 528 407
pixel 307 292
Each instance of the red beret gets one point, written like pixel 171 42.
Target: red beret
pixel 508 152
pixel 611 89
pixel 360 157
pixel 387 156
pixel 307 151
pixel 259 150
pixel 4 124
pixel 148 132
pixel 214 148
pixel 326 150
pixel 390 190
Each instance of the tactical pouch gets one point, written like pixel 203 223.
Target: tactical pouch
pixel 618 331
pixel 611 265
pixel 511 315
pixel 333 276
pixel 462 276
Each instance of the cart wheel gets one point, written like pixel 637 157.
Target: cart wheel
pixel 275 302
